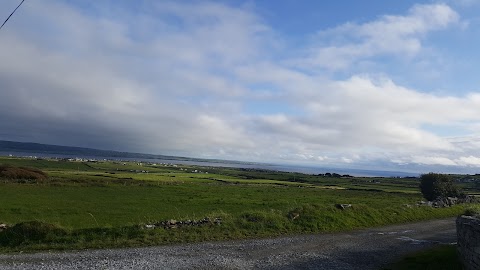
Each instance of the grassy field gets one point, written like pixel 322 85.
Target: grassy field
pixel 106 204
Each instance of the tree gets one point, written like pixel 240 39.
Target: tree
pixel 435 185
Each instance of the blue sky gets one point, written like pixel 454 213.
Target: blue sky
pixel 389 85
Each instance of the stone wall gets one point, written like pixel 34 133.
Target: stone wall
pixel 468 241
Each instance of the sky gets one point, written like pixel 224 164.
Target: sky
pixel 379 85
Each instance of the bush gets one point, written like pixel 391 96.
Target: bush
pixel 435 185
pixel 22 173
pixel 30 231
pixel 474 212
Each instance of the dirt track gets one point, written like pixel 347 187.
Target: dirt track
pixel 364 249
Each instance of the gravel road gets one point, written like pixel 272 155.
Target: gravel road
pixel 363 249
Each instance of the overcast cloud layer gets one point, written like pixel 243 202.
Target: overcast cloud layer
pixel 214 80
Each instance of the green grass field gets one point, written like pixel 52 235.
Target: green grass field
pixel 105 204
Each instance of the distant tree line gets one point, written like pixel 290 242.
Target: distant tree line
pixel 334 175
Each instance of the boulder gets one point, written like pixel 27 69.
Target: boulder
pixel 451 201
pixel 343 206
pixel 217 221
pixel 293 215
pixel 468 199
pixel 441 202
pixel 445 202
pixel 172 223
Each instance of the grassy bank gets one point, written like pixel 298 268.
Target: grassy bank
pixel 94 205
pixel 242 224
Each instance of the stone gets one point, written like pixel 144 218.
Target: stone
pixel 294 216
pixel 451 200
pixel 469 199
pixel 468 241
pixel 442 202
pixel 343 206
pixel 217 221
pixel 172 223
pixel 3 227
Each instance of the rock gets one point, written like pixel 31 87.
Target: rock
pixel 3 227
pixel 343 206
pixel 468 199
pixel 451 201
pixel 172 223
pixel 441 202
pixel 421 203
pixel 446 202
pixel 294 216
pixel 425 203
pixel 468 239
pixel 150 226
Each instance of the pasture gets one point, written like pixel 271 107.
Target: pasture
pixel 108 204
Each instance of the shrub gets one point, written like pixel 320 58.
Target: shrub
pixel 435 185
pixel 21 173
pixel 31 231
pixel 474 212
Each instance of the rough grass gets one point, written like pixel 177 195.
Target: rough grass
pixel 84 206
pixel 306 218
pixel 442 257
pixel 473 211
pixel 247 224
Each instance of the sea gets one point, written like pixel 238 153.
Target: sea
pixel 232 164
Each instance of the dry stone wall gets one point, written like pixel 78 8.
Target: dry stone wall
pixel 468 241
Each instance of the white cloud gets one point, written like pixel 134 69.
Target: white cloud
pixel 151 85
pixel 469 161
pixel 343 46
pixel 184 83
pixel 428 160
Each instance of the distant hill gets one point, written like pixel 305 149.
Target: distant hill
pixel 38 148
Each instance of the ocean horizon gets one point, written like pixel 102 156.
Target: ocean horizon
pixel 306 169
